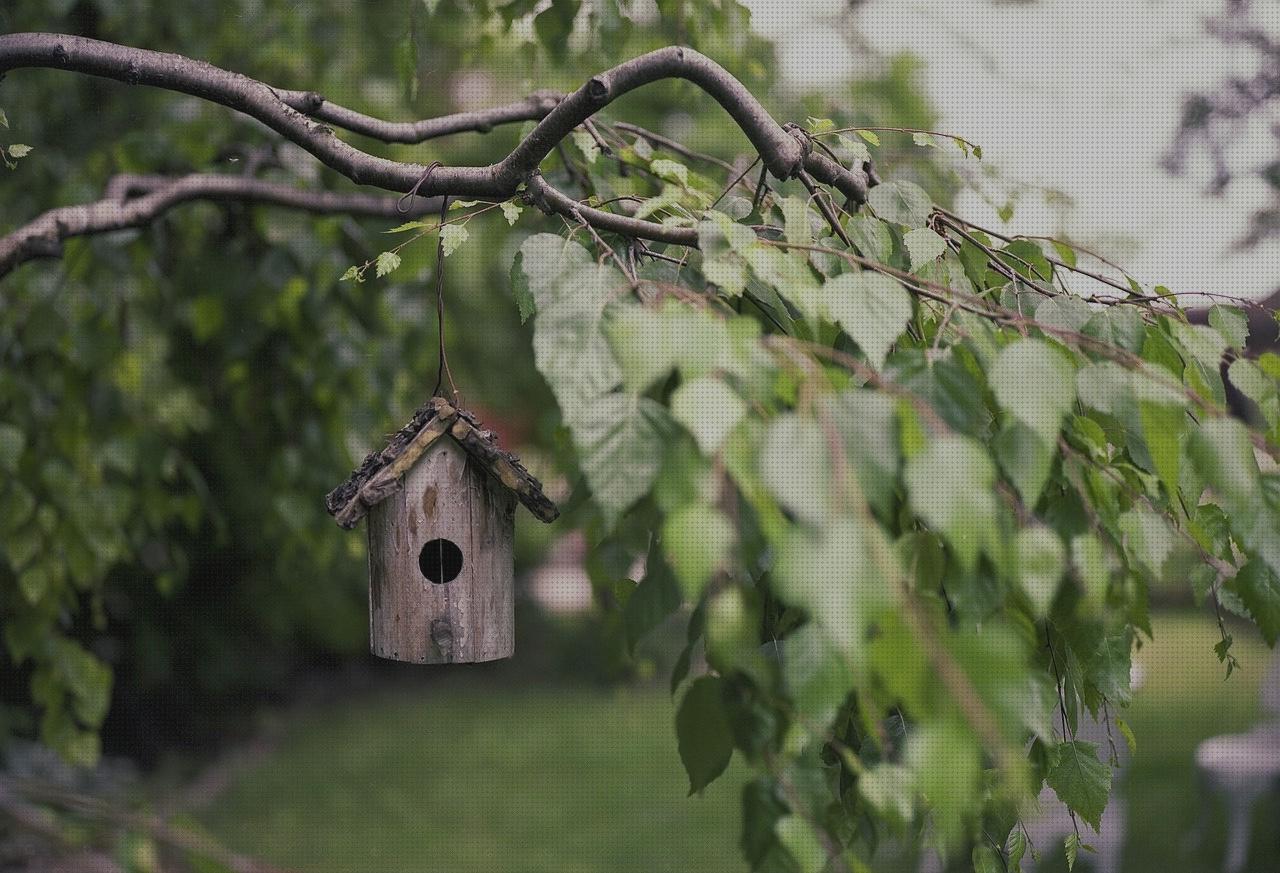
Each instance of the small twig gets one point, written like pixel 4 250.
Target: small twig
pixel 970 144
pixel 823 206
pixel 672 146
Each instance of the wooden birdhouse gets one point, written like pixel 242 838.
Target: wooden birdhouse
pixel 441 504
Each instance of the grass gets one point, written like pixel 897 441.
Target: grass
pixel 1184 700
pixel 470 777
pixel 463 778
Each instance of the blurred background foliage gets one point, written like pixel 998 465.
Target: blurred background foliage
pixel 176 401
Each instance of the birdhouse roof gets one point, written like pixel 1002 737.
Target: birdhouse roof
pixel 379 476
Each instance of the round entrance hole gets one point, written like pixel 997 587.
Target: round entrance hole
pixel 440 561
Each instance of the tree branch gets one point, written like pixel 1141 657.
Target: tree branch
pixel 134 201
pixel 532 108
pixel 551 199
pixel 786 151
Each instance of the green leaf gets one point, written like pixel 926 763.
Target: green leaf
pixel 867 423
pixel 620 437
pixel 12 443
pixel 733 631
pixel 17 505
pixel 869 135
pixel 795 219
pixel 1120 326
pixel 924 246
pixel 1223 455
pixel 871 236
pixel 1232 323
pixel 1015 848
pixel 1109 666
pixel 1127 733
pixel 672 171
pixel 19 150
pixel 1222 649
pixel 1035 382
pixel 1067 255
pixel 851 152
pixel 554 25
pixel 1071 845
pixel 811 566
pixel 985 860
pixel 586 144
pixel 404 59
pixel 901 202
pixel 709 409
pixel 697 540
pixel 387 262
pixel 620 440
pixel 890 789
pixel 511 212
pixel 924 140
pixel 797 836
pixel 34 583
pixel 645 348
pixel 525 303
pixel 703 733
pixel 817 678
pixel 872 308
pixel 453 235
pixel 795 464
pixel 1164 428
pixel 951 487
pixel 1027 259
pixel 1259 589
pixel 1040 560
pixel 1200 342
pixel 1080 780
pixel 655 598
pixel 946 762
pixel 88 679
pixel 1025 458
pixel 410 225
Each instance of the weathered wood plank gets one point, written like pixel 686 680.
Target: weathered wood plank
pixel 446 495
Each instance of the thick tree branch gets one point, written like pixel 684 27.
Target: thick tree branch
pixel 786 151
pixel 135 201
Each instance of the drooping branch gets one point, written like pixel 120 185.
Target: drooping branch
pixel 135 201
pixel 785 150
pixel 551 199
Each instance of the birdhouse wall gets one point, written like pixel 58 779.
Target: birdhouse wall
pixel 449 518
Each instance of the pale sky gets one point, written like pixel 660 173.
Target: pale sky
pixel 1078 95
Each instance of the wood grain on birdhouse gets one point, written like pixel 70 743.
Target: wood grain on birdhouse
pixel 441 504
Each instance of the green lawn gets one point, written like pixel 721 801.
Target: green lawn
pixel 469 778
pixel 471 775
pixel 1184 700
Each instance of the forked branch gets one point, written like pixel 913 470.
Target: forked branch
pixel 296 115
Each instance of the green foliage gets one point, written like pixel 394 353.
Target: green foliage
pixel 1080 780
pixel 703 731
pixel 894 494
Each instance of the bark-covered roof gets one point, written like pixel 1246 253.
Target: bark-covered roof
pixel 379 476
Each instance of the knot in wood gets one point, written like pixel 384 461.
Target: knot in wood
pixel 598 90
pixel 442 634
pixel 805 140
